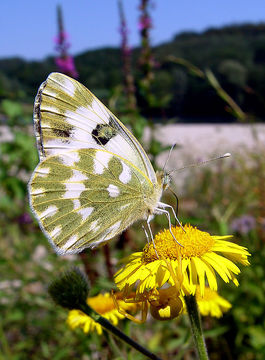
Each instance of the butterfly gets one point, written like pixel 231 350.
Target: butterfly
pixel 94 179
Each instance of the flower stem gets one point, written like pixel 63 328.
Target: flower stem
pixel 115 331
pixel 196 327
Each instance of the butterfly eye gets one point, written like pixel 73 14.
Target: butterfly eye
pixel 166 180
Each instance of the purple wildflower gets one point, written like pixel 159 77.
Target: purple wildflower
pixel 66 65
pixel 124 33
pixel 126 59
pixel 145 22
pixel 146 59
pixel 243 224
pixel 62 38
pixel 64 61
pixel 24 219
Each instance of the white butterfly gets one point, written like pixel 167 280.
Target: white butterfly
pixel 94 179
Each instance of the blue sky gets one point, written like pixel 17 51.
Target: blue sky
pixel 28 27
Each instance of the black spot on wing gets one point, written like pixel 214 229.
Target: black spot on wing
pixel 65 133
pixel 103 133
pixel 62 133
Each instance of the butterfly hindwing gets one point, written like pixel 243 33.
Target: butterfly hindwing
pixel 85 197
pixel 68 116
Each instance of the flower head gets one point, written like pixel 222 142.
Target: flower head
pixel 70 289
pixel 211 304
pixel 66 65
pixel 198 260
pixel 62 38
pixel 145 22
pixel 24 219
pixel 104 305
pixel 64 62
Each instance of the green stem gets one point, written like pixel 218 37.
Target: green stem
pixel 6 349
pixel 196 327
pixel 115 331
pixel 111 340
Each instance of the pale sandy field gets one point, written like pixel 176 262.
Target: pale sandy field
pixel 196 142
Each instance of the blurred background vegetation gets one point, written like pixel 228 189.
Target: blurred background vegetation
pixel 167 83
pixel 236 55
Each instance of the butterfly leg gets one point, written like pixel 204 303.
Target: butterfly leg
pixel 163 211
pixel 163 205
pixel 150 231
pixel 146 234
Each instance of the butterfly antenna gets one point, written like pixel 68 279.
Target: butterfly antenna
pixel 169 154
pixel 226 155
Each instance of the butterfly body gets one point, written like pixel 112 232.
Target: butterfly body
pixel 94 179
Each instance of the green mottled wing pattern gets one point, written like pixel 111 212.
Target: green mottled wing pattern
pixel 84 197
pixel 94 179
pixel 68 116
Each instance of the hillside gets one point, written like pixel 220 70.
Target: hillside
pixel 236 55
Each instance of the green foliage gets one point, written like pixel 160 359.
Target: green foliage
pixel 234 73
pixel 11 108
pixel 18 159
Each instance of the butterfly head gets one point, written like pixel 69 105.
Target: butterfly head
pixel 164 179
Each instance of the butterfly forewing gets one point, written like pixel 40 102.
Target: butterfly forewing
pixel 94 179
pixel 85 197
pixel 68 116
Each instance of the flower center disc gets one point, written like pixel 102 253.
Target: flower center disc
pixel 194 243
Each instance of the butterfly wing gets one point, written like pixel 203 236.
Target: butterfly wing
pixel 85 197
pixel 68 116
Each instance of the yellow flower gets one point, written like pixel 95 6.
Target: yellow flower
pixel 211 304
pixel 198 260
pixel 104 305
